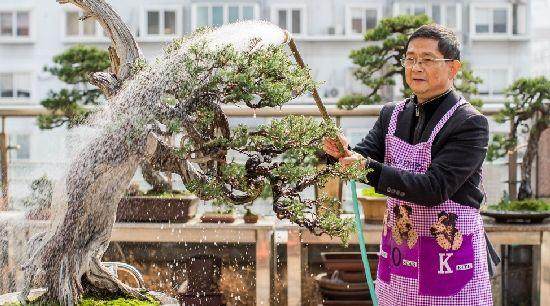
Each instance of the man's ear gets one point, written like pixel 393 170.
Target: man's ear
pixel 455 67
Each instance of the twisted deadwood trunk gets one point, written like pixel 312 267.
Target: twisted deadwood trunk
pixel 525 191
pixel 66 260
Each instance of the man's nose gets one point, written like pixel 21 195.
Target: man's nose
pixel 417 67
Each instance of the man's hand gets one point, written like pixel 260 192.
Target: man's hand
pixel 330 146
pixel 347 161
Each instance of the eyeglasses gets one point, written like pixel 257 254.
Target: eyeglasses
pixel 409 62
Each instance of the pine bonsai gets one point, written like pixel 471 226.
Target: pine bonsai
pixel 528 111
pixel 379 63
pixel 182 92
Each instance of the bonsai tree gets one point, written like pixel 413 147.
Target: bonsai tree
pixel 72 106
pixel 528 111
pixel 379 63
pixel 182 92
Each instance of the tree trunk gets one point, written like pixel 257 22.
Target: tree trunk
pixel 154 178
pixel 525 191
pixel 67 258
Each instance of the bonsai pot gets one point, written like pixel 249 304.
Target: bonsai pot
pixel 349 262
pixel 508 216
pixel 250 218
pixel 373 207
pixel 157 209
pixel 217 218
pixel 328 283
pixel 345 295
pixel 355 277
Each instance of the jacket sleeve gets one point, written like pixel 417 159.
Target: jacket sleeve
pixel 373 144
pixel 461 155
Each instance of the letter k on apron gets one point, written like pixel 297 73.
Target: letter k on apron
pixel 429 255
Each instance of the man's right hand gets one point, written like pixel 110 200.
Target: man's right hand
pixel 330 146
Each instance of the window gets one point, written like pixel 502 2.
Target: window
pixel 495 80
pixel 161 22
pixel 76 28
pixel 23 142
pixel 451 16
pixel 15 85
pixel 215 15
pixel 291 19
pixel 15 24
pixel 412 9
pixel 361 19
pixel 448 14
pixel 492 20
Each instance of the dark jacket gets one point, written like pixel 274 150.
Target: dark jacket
pixel 458 152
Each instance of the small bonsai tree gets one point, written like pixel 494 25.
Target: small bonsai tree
pixel 528 111
pixel 379 63
pixel 71 106
pixel 182 92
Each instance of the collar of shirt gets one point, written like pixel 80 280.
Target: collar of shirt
pixel 430 105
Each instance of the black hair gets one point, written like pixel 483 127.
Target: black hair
pixel 447 41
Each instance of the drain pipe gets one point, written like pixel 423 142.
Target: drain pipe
pixel 358 224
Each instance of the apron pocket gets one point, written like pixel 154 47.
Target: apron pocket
pixel 404 261
pixel 444 272
pixel 384 259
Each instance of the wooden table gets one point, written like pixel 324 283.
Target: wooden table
pixel 261 234
pixel 499 234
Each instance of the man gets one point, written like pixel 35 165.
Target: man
pixel 426 153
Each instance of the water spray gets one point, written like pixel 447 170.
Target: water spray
pixel 292 44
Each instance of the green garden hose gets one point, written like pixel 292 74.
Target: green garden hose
pixel 362 244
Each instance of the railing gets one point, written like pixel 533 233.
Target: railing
pixel 232 111
pixel 239 111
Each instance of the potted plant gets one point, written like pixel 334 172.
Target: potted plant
pixel 173 206
pixel 249 216
pixel 519 211
pixel 527 111
pixel 223 213
pixel 374 204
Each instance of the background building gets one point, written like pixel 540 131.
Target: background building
pixel 497 41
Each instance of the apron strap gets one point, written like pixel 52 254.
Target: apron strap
pixel 393 121
pixel 444 119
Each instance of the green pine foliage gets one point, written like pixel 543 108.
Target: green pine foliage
pixel 378 63
pixel 279 157
pixel 529 101
pixel 68 105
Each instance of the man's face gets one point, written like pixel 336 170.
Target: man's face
pixel 427 81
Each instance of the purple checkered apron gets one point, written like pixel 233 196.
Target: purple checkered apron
pixel 429 255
